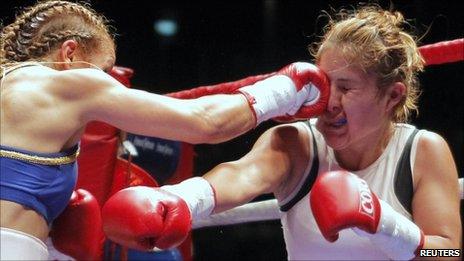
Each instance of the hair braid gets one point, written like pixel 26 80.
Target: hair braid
pixel 47 41
pixel 16 36
pixel 42 27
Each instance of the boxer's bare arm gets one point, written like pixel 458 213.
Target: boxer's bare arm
pixel 256 173
pixel 209 119
pixel 436 180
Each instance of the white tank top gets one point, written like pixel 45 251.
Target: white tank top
pixel 302 237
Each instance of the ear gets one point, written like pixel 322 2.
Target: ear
pixel 67 53
pixel 394 95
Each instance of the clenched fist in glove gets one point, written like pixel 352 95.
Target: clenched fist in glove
pixel 341 200
pixel 298 91
pixel 143 218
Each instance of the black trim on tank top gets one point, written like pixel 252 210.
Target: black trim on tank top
pixel 310 178
pixel 403 175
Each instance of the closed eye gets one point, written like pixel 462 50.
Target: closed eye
pixel 343 88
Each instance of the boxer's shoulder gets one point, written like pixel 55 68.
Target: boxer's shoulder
pixel 21 72
pixel 76 84
pixel 433 158
pixel 430 145
pixel 290 138
pixel 296 140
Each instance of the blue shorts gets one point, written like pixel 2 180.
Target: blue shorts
pixel 43 182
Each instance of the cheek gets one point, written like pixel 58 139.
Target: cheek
pixel 364 115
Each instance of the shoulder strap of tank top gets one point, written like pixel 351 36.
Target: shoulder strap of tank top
pixel 7 70
pixel 310 178
pixel 403 175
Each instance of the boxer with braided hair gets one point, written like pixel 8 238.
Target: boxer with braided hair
pixel 38 30
pixel 53 59
pixel 401 196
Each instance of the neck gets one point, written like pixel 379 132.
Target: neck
pixel 362 154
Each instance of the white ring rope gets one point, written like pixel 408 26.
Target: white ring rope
pixel 258 211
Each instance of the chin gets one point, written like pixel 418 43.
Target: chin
pixel 337 144
pixel 333 140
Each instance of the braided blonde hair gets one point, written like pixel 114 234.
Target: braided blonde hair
pixel 374 40
pixel 39 29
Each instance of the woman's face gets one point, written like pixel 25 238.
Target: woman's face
pixel 355 114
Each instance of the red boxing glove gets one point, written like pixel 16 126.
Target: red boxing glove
pixel 303 74
pixel 78 232
pixel 341 200
pixel 122 74
pixel 143 218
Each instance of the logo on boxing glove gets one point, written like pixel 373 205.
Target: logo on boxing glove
pixel 366 203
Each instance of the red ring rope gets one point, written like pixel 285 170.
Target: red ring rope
pixel 443 52
pixel 437 53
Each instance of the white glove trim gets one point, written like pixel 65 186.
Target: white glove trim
pixel 398 237
pixel 197 193
pixel 274 96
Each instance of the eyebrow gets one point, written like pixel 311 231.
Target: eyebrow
pixel 344 80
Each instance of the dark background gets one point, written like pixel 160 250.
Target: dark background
pixel 224 41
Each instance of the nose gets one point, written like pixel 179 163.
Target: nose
pixel 334 104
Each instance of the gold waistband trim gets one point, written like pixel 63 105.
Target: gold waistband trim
pixel 39 159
